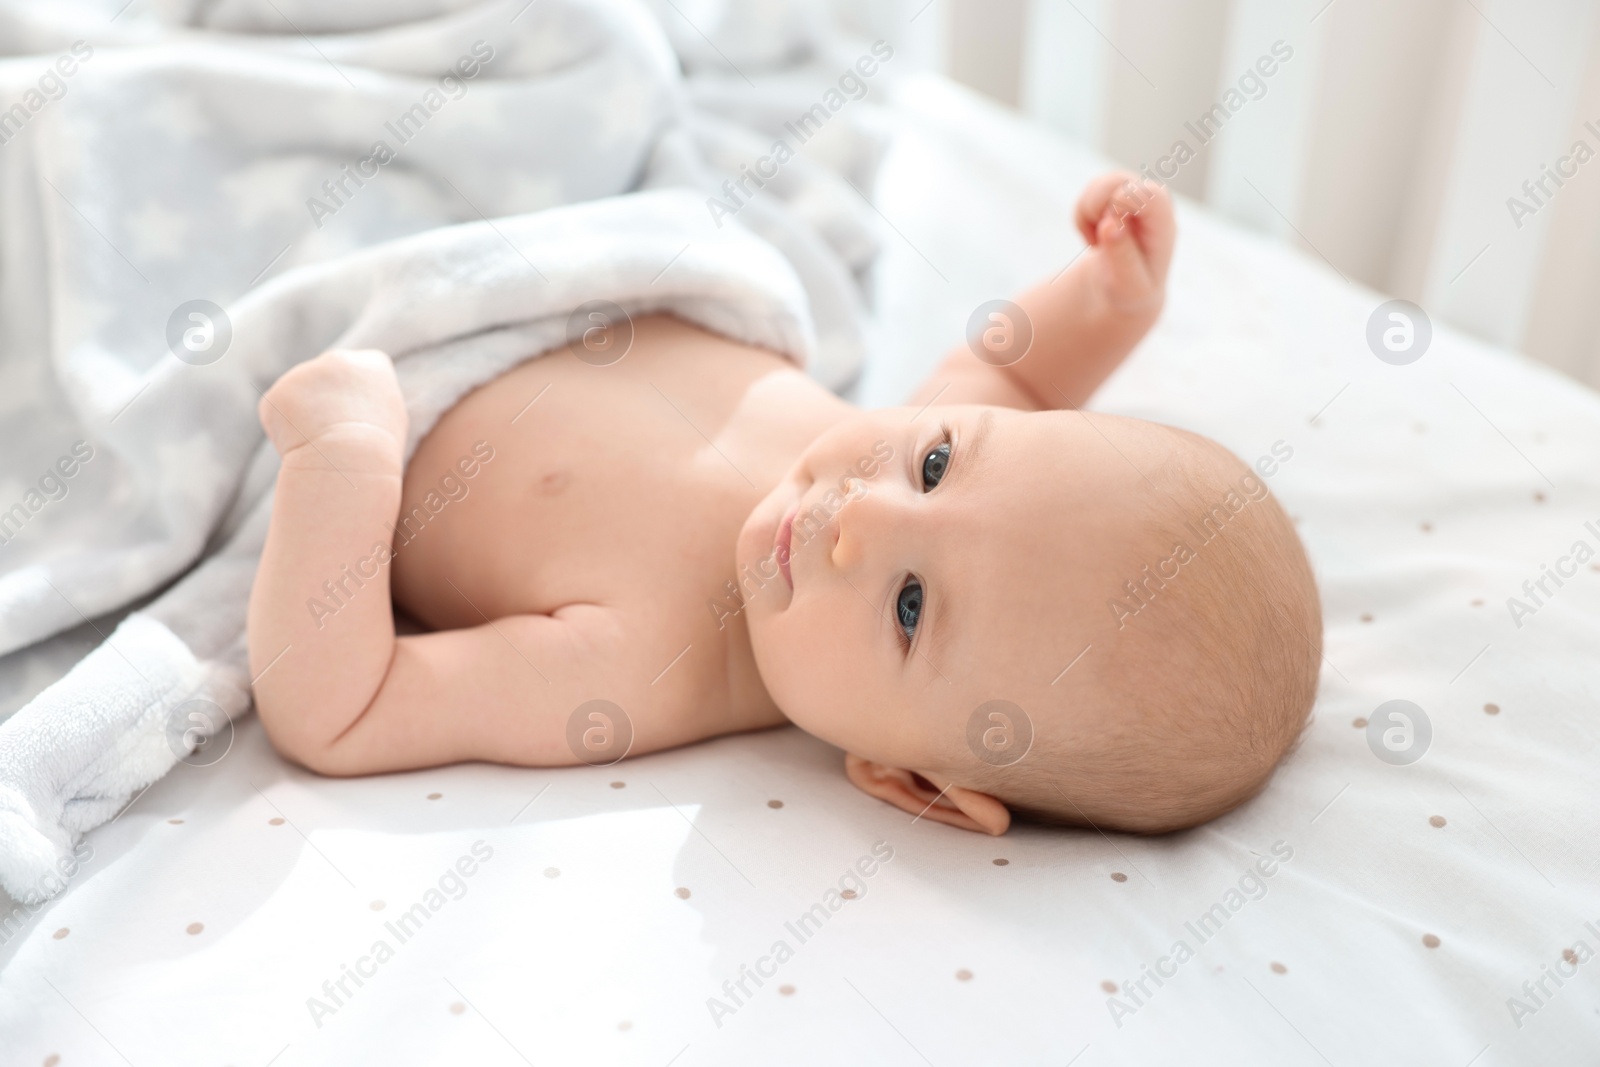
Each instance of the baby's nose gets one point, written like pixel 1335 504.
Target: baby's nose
pixel 860 518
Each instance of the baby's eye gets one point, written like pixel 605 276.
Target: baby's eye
pixel 934 465
pixel 908 608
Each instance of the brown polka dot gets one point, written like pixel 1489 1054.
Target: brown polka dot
pixel 963 975
pixel 1278 968
pixel 195 928
pixel 1359 722
pixel 175 822
pixel 435 796
pixel 1109 986
pixel 1118 876
pixel 624 1025
pixel 1430 940
pixel 619 785
pixel 51 1060
pixel 682 892
pixel 376 905
pixel 774 804
pixel 1569 955
pixel 1419 427
pixel 457 1008
pixel 1427 527
pixel 848 894
pixel 1001 862
pixel 786 990
pixel 59 934
pixel 552 872
pixel 1436 820
pixel 1478 603
pixel 1366 618
pixel 276 820
pixel 1491 709
pixel 1538 498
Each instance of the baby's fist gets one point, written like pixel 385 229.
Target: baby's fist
pixel 1128 222
pixel 344 395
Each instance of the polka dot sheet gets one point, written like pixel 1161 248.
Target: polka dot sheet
pixel 1415 886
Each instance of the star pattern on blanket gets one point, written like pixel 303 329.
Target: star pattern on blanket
pixel 78 316
pixel 176 115
pixel 12 488
pixel 355 117
pixel 545 47
pixel 528 192
pixel 624 110
pixel 157 232
pixel 194 491
pixel 73 131
pixel 487 108
pixel 102 375
pixel 272 189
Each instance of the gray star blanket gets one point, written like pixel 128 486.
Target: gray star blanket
pixel 192 201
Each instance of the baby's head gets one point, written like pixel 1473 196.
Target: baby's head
pixel 1087 619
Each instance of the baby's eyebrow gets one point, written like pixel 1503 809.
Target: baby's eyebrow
pixel 971 450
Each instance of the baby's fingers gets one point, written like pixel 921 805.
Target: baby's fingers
pixel 1130 278
pixel 339 387
pixel 1149 209
pixel 1096 197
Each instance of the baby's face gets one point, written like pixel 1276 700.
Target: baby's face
pixel 913 566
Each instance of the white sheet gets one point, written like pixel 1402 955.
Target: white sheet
pixel 1420 490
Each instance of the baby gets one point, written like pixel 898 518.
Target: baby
pixel 993 602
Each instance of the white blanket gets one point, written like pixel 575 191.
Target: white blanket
pixel 186 214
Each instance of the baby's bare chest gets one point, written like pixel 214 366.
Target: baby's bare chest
pixel 564 483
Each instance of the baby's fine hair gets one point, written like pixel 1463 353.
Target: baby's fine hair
pixel 1210 677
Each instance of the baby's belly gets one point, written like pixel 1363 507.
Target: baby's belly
pixel 562 483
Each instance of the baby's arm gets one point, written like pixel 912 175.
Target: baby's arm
pixel 339 424
pixel 341 694
pixel 1086 321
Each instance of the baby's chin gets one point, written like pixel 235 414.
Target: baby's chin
pixel 747 547
pixel 760 583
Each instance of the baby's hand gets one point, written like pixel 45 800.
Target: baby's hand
pixel 1129 226
pixel 343 395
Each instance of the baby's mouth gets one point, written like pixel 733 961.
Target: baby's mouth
pixel 782 543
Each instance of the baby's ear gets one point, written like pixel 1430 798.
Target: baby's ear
pixel 922 795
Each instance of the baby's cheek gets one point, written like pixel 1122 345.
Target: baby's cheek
pixel 774 652
pixel 797 673
pixel 782 649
